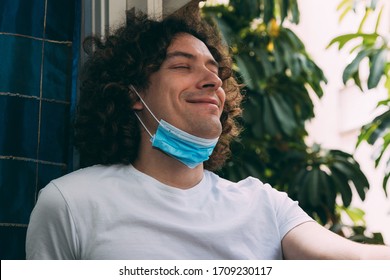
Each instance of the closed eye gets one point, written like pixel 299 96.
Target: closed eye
pixel 214 69
pixel 180 66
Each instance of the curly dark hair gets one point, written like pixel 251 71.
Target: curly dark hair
pixel 106 129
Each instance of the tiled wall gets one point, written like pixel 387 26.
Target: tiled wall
pixel 38 57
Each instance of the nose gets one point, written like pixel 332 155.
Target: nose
pixel 209 79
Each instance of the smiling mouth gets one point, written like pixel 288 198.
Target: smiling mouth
pixel 209 101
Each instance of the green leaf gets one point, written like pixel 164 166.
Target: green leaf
pixel 287 55
pixel 350 167
pixel 346 10
pixel 387 83
pixel 356 79
pixel 296 185
pixel 258 126
pixel 363 21
pixel 248 71
pixel 314 76
pixel 385 145
pixel 356 215
pixel 377 128
pixel 384 102
pixel 227 33
pixel 272 127
pixel 264 60
pixel 343 39
pixel 352 173
pixel 278 56
pixel 359 180
pixel 313 187
pixel 254 116
pixel 378 20
pixel 269 6
pixel 328 190
pixel 342 4
pixel 378 63
pixel 353 67
pixel 284 5
pixel 251 110
pixel 302 187
pixel 295 11
pixel 373 4
pixel 366 131
pixel 342 186
pixel 386 178
pixel 293 38
pixel 284 114
pixel 247 9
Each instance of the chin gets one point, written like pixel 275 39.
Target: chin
pixel 212 133
pixel 208 128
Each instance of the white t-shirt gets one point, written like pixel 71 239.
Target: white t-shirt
pixel 118 212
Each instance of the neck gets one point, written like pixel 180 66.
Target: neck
pixel 166 169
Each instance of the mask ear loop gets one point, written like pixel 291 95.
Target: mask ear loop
pixel 146 106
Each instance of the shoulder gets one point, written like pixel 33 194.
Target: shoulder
pixel 91 176
pixel 251 190
pixel 249 184
pixel 95 172
pixel 85 185
pixel 255 191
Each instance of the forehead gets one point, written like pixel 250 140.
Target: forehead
pixel 187 43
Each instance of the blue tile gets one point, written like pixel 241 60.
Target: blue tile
pixel 20 66
pixel 22 17
pixel 47 172
pixel 17 190
pixel 57 71
pixel 54 138
pixel 19 123
pixel 12 243
pixel 59 25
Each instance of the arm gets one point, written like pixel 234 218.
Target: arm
pixel 312 241
pixel 51 233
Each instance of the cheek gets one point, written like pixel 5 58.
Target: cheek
pixel 222 97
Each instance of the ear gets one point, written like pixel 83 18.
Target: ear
pixel 138 105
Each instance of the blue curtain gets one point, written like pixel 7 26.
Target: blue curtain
pixel 39 42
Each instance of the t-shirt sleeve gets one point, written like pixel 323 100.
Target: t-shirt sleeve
pixel 288 213
pixel 51 233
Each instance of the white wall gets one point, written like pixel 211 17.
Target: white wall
pixel 343 110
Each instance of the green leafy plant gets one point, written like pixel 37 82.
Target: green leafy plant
pixel 357 228
pixel 278 74
pixel 370 49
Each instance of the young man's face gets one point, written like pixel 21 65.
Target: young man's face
pixel 186 91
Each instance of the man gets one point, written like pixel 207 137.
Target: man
pixel 156 114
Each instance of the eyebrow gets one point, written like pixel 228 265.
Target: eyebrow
pixel 189 56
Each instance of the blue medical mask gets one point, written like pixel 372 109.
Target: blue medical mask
pixel 187 148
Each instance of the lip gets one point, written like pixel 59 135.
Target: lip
pixel 205 100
